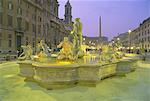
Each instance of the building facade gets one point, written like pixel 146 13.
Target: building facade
pixel 95 41
pixel 123 38
pixel 24 22
pixel 140 37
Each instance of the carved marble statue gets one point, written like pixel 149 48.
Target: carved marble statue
pixel 66 52
pixel 107 54
pixel 27 53
pixel 77 37
pixel 116 45
pixel 43 49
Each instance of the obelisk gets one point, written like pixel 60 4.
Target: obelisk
pixel 100 29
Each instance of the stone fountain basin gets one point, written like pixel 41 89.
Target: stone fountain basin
pixel 126 65
pixel 60 76
pixel 26 69
pixel 55 75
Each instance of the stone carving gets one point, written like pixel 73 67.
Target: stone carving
pixel 107 54
pixel 116 45
pixel 27 53
pixel 66 52
pixel 43 49
pixel 77 38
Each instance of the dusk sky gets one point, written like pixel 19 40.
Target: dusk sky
pixel 118 16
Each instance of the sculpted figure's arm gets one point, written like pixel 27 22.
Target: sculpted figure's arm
pixel 60 45
pixel 24 51
pixel 74 28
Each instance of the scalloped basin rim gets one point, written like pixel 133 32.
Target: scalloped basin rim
pixel 52 65
pixel 25 61
pixel 38 64
pixel 62 65
pixel 69 65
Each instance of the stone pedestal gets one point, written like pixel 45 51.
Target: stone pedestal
pixel 26 69
pixel 88 74
pixel 55 76
pixel 125 66
pixel 107 70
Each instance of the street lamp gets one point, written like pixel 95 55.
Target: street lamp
pixel 129 40
pixel 118 39
pixel 113 42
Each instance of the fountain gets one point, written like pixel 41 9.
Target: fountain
pixel 77 38
pixel 71 67
pixel 25 62
pixel 27 53
pixel 66 52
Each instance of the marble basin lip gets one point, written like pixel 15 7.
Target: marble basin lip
pixel 68 65
pixel 57 65
pixel 52 65
pixel 25 62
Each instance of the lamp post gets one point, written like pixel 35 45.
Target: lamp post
pixel 118 43
pixel 129 40
pixel 118 39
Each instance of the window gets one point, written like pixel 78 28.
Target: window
pixel 47 27
pixel 10 21
pixel 1 3
pixel 33 43
pixel 1 18
pixel 52 6
pixel 27 13
pixel 39 19
pixel 44 31
pixel 9 36
pixel 0 42
pixel 39 29
pixel 19 11
pixel 26 40
pixel 27 5
pixel 19 2
pixel 149 38
pixel 19 23
pixel 33 17
pixel 10 6
pixel 26 26
pixel 9 43
pixel 0 39
pixel 33 27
